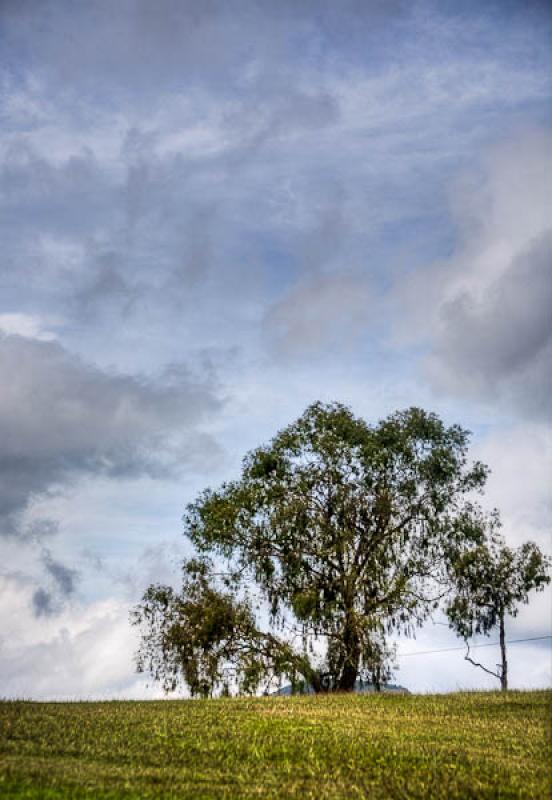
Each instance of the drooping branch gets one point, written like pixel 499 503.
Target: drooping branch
pixel 477 664
pixel 198 635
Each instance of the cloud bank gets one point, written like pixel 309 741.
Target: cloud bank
pixel 62 419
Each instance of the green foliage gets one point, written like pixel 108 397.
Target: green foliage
pixel 347 530
pixel 202 633
pixel 491 580
pixel 448 747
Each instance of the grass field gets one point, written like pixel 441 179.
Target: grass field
pixel 473 745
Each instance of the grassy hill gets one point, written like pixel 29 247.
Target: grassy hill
pixel 468 745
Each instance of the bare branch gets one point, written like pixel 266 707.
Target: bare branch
pixel 477 664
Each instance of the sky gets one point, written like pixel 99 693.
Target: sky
pixel 213 214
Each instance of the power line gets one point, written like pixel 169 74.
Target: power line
pixel 487 644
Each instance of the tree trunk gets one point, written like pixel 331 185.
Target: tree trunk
pixel 317 682
pixel 348 677
pixel 349 672
pixel 504 666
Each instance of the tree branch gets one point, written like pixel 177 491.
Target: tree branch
pixel 477 664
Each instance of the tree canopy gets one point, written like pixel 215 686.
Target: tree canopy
pixel 336 534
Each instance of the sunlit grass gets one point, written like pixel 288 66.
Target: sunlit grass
pixel 468 745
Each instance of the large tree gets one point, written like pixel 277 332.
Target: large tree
pixel 343 529
pixel 490 582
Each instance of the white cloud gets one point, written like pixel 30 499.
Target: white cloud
pixel 85 652
pixel 520 458
pixel 26 325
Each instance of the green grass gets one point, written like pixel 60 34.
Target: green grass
pixel 468 745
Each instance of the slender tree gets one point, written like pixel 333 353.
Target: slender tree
pixel 491 580
pixel 343 529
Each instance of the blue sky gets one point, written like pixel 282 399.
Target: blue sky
pixel 213 214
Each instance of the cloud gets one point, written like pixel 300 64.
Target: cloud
pixel 196 170
pixel 320 313
pixel 62 586
pixel 61 419
pixel 55 643
pixel 484 315
pixel 160 562
pixel 42 603
pixel 64 577
pixel 81 652
pixel 500 343
pixel 520 457
pixel 244 177
pixel 26 325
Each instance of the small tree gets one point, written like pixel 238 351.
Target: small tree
pixel 490 581
pixel 345 530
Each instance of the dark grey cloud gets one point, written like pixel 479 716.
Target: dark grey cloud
pixel 61 419
pixel 499 344
pixel 63 576
pixel 47 602
pixel 43 603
